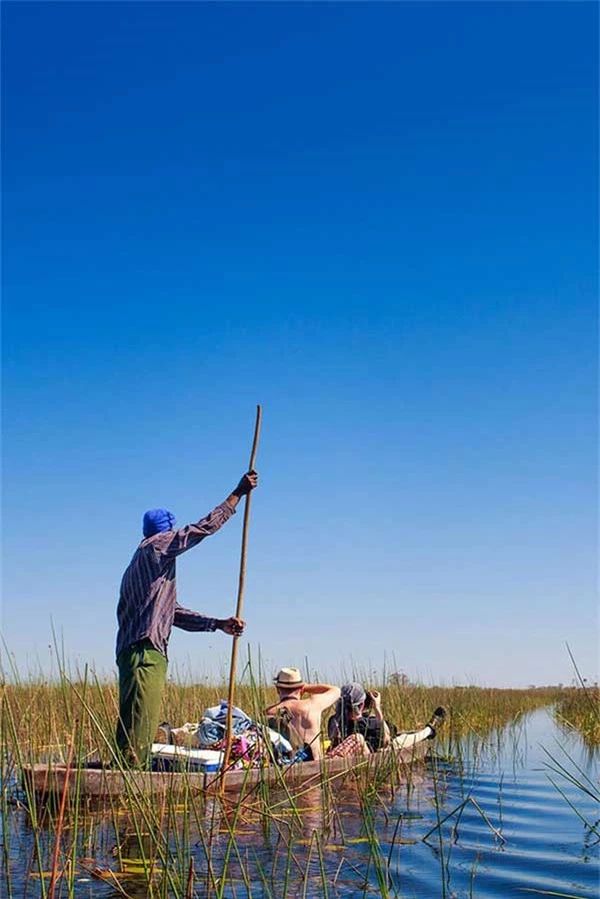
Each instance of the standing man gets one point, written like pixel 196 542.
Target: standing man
pixel 301 717
pixel 147 611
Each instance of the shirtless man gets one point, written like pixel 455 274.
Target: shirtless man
pixel 303 716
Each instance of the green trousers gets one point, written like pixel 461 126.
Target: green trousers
pixel 142 676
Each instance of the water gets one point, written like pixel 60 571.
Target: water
pixel 520 822
pixel 533 840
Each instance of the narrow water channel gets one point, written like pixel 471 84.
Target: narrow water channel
pixel 530 829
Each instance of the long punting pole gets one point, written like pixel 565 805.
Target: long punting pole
pixel 240 600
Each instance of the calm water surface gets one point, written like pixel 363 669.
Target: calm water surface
pixel 535 840
pixel 519 823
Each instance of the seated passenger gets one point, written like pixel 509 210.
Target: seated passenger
pixel 298 719
pixel 357 726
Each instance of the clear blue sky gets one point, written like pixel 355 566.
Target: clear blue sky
pixel 378 220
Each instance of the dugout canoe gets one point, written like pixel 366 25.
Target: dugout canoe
pixel 42 781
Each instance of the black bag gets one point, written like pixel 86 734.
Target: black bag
pixel 370 727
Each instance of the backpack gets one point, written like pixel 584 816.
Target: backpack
pixel 370 727
pixel 281 722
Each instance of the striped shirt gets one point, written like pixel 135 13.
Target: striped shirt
pixel 148 604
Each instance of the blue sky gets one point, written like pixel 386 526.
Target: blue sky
pixel 378 220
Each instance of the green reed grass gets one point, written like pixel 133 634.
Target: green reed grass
pixel 44 712
pixel 579 708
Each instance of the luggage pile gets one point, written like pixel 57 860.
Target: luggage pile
pixel 200 745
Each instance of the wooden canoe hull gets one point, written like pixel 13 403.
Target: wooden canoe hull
pixel 42 781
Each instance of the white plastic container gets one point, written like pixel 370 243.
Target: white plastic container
pixel 200 756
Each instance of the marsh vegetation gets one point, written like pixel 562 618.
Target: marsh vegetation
pixel 354 838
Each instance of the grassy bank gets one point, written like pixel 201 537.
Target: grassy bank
pixel 579 708
pixel 39 715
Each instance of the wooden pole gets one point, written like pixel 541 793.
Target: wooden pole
pixel 240 601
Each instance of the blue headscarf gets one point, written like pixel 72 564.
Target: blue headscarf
pixel 156 521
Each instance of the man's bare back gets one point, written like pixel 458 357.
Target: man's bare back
pixel 304 715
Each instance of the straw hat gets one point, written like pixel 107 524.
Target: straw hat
pixel 288 678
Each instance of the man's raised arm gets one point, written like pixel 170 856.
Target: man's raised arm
pixel 174 543
pixel 323 695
